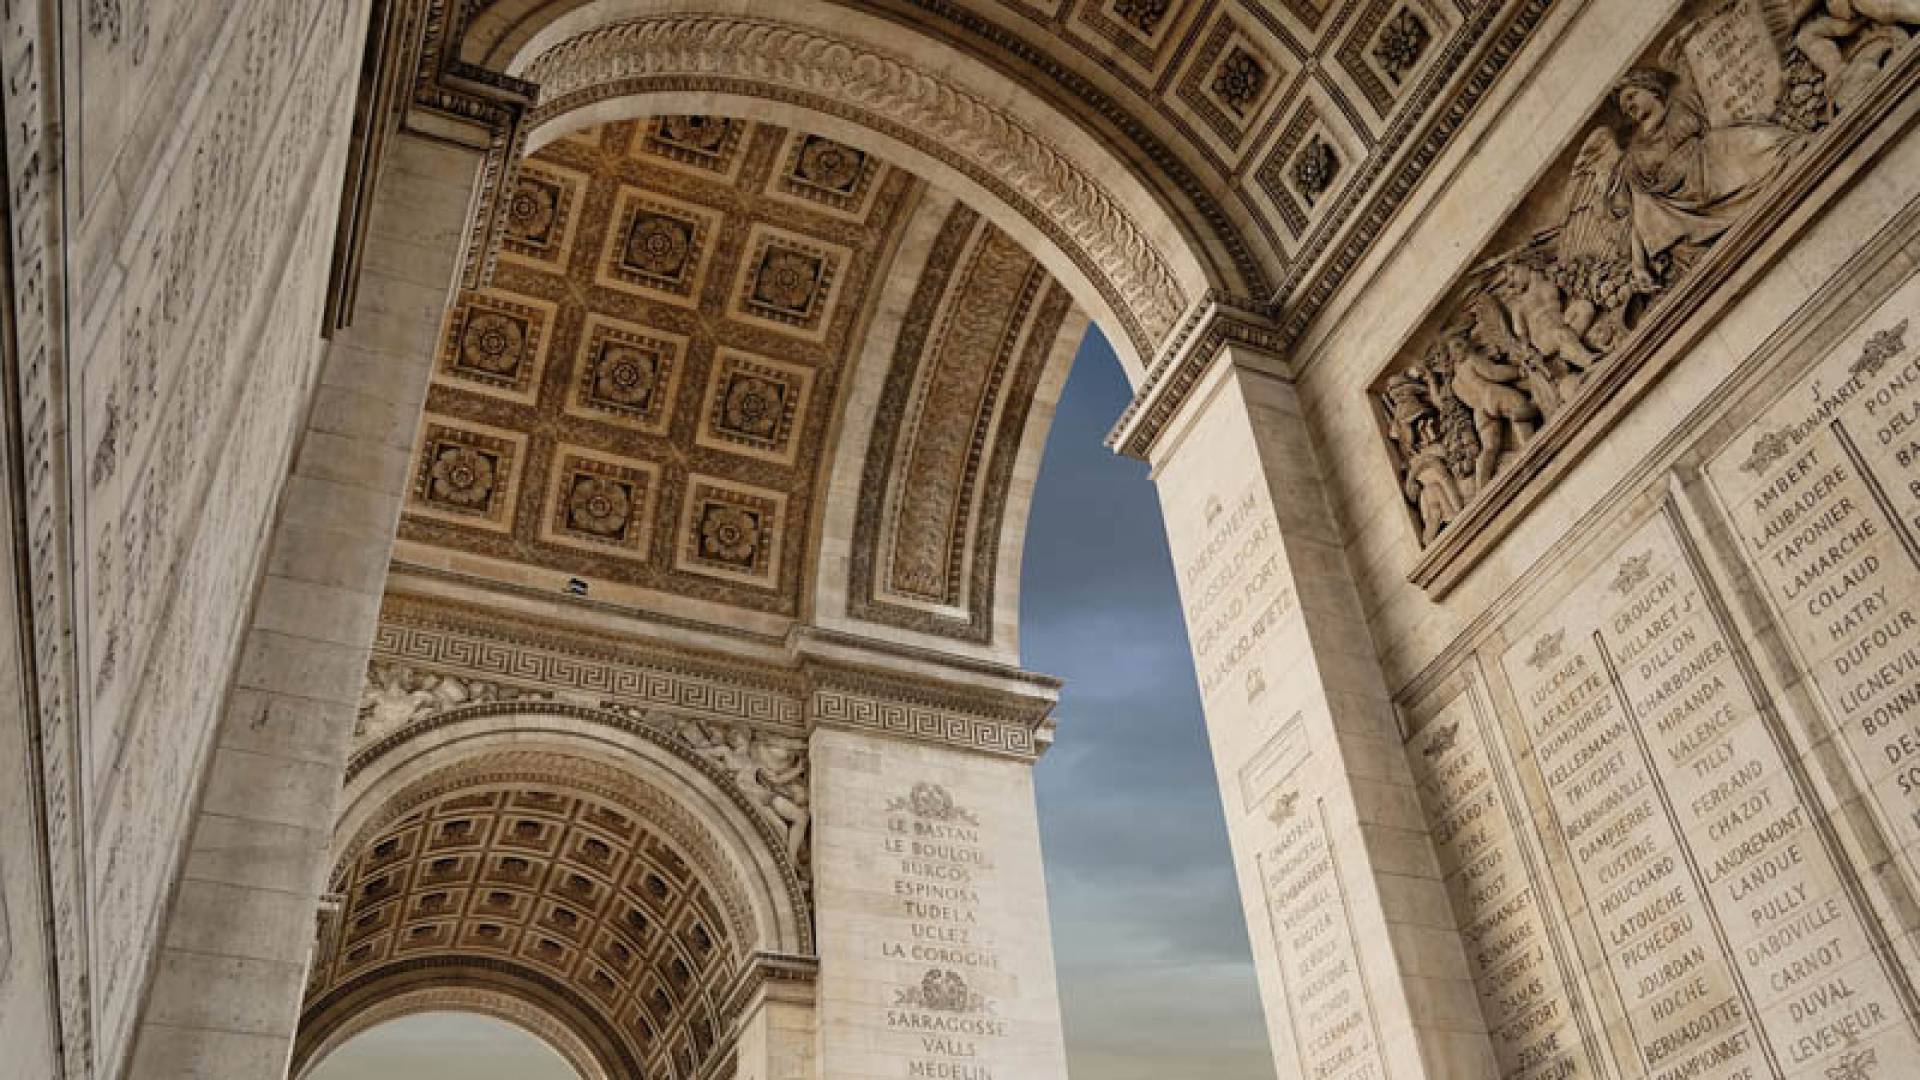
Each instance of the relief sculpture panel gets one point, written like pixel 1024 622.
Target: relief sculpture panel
pixel 1700 872
pixel 1697 143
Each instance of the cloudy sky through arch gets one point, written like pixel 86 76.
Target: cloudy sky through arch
pixel 1156 979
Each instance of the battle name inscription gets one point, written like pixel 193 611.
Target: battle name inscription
pixel 939 854
pixel 1823 491
pixel 1331 1015
pixel 1727 927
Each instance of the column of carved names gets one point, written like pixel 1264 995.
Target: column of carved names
pixel 941 866
pixel 1524 995
pixel 1334 1032
pixel 1733 936
pixel 1823 491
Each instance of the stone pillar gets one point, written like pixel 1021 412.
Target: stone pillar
pixel 777 1030
pixel 226 995
pixel 936 957
pixel 1362 973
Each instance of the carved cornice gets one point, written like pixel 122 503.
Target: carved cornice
pixel 776 973
pixel 991 722
pixel 1217 323
pixel 891 94
pixel 935 696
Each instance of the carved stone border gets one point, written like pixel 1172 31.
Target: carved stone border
pixel 864 701
pixel 495 1003
pixel 322 1020
pixel 1034 338
pixel 888 94
pixel 668 814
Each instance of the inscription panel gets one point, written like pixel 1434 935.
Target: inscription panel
pixel 1823 491
pixel 1525 995
pixel 935 956
pixel 1731 934
pixel 1335 1033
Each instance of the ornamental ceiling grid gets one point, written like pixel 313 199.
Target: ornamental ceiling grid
pixel 642 394
pixel 1236 78
pixel 550 881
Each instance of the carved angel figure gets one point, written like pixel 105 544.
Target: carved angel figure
pixel 391 700
pixel 1850 41
pixel 1677 182
pixel 783 776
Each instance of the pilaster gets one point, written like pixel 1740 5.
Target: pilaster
pixel 226 995
pixel 1361 970
pixel 936 956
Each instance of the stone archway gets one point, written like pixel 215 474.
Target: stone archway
pixel 608 886
pixel 495 1004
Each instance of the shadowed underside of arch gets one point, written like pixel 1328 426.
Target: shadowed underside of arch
pixel 546 879
pixel 1164 155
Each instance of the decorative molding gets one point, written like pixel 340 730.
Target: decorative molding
pixel 980 296
pixel 1217 323
pixel 519 1010
pixel 473 644
pixel 993 724
pixel 892 95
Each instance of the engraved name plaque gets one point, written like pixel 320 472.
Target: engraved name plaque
pixel 1331 1015
pixel 1734 938
pixel 1823 491
pixel 1524 994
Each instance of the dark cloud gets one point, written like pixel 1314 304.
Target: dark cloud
pixel 1155 975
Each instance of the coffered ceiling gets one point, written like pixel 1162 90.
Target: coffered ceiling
pixel 646 401
pixel 562 895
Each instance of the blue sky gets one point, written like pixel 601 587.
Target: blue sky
pixel 1155 978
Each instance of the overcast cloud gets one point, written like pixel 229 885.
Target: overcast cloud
pixel 1155 976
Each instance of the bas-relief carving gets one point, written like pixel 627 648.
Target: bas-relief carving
pixel 1708 892
pixel 1685 147
pixel 770 769
pixel 1822 492
pixel 397 695
pixel 767 769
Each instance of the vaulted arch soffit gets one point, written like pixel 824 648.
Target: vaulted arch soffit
pixel 569 870
pixel 505 1004
pixel 1247 153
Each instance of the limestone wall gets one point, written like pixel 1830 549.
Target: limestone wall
pixel 1659 712
pixel 192 154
